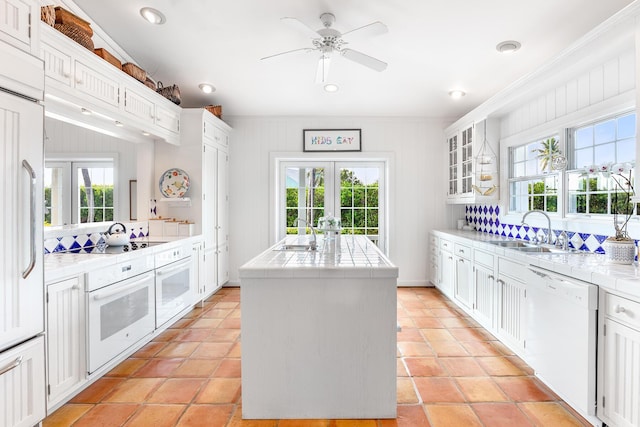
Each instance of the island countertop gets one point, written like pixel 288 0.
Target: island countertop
pixel 349 256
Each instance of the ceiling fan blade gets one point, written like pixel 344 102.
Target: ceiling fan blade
pixel 374 29
pixel 322 73
pixel 288 51
pixel 366 60
pixel 300 26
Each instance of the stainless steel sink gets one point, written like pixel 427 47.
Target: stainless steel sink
pixel 522 246
pixel 299 248
pixel 512 244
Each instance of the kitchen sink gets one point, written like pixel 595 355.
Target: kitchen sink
pixel 522 246
pixel 300 248
pixel 513 244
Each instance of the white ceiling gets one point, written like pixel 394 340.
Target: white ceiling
pixel 431 48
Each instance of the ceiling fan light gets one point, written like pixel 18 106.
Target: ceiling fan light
pixel 331 88
pixel 153 16
pixel 206 87
pixel 508 46
pixel 456 94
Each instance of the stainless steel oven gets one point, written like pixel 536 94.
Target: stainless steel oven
pixel 174 288
pixel 120 301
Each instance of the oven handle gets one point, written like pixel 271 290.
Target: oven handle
pixel 111 292
pixel 11 365
pixel 162 271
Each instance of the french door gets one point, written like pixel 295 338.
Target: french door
pixel 350 190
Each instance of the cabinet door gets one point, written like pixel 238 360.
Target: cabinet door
pixel 209 196
pixel 139 106
pixel 512 313
pixel 22 401
pixel 452 149
pixel 96 85
pixel 210 271
pixel 168 119
pixel 57 64
pixel 620 404
pixel 223 265
pixel 448 271
pixel 466 161
pixel 463 278
pixel 222 226
pixel 21 269
pixel 485 296
pixel 65 317
pixel 15 22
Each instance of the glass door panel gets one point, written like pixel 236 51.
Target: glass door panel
pixel 304 197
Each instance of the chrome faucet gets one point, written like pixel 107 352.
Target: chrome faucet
pixel 313 244
pixel 549 239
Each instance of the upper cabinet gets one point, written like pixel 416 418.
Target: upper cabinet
pixel 472 174
pixel 77 80
pixel 19 24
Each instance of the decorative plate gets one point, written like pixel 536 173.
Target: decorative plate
pixel 174 183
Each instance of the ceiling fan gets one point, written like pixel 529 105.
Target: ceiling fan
pixel 329 42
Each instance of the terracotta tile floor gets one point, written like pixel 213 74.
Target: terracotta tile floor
pixel 451 372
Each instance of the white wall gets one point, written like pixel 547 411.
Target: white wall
pixel 63 138
pixel 416 189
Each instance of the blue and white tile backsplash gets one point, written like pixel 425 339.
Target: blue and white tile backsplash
pixel 487 219
pixel 74 238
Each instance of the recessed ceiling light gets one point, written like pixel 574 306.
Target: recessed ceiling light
pixel 457 94
pixel 206 87
pixel 146 133
pixel 508 46
pixel 119 124
pixel 85 111
pixel 152 15
pixel 331 87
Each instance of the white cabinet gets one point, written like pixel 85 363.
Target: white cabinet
pixel 22 402
pixel 21 270
pixel 96 84
pixel 168 118
pixel 434 260
pixel 19 23
pixel 463 289
pixel 512 315
pixel 619 361
pixel 203 154
pixel 447 268
pixel 57 63
pixel 463 145
pixel 66 361
pixel 485 291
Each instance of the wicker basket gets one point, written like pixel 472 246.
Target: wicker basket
pixel 134 71
pixel 107 56
pixel 150 84
pixel 63 16
pixel 172 93
pixel 216 110
pixel 76 34
pixel 48 14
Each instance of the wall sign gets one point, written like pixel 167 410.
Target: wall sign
pixel 332 140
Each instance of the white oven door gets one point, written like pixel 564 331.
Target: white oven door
pixel 174 290
pixel 119 315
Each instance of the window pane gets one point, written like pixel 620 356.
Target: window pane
pixel 626 150
pixel 605 132
pixel 584 157
pixel 518 170
pixel 518 154
pixel 531 167
pixel 598 203
pixel 605 153
pixel 627 126
pixel 584 137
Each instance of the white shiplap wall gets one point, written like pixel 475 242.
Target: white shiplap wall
pixel 416 189
pixel 63 139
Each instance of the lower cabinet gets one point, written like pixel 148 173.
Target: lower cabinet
pixel 463 281
pixel 222 266
pixel 512 315
pixel 65 339
pixel 434 260
pixel 22 400
pixel 485 294
pixel 619 361
pixel 447 272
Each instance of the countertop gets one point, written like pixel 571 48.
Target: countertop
pixel 347 256
pixel 59 265
pixel 586 266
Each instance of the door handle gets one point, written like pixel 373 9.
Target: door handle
pixel 11 365
pixel 32 220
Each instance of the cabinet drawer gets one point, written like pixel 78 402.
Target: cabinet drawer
pixel 513 269
pixel 446 245
pixel 462 251
pixel 23 384
pixel 623 309
pixel 484 258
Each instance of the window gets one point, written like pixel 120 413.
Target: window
pixel 533 184
pixel 594 149
pixel 353 190
pixel 78 192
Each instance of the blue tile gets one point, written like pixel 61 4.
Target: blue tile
pixel 599 250
pixel 600 238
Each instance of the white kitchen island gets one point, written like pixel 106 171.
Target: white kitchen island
pixel 319 332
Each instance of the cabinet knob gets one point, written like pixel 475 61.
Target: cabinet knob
pixel 491 277
pixel 66 75
pixel 620 309
pixel 79 81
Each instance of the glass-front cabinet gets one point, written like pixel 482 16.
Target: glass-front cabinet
pixel 468 162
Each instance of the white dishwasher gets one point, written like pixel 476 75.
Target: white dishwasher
pixel 562 336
